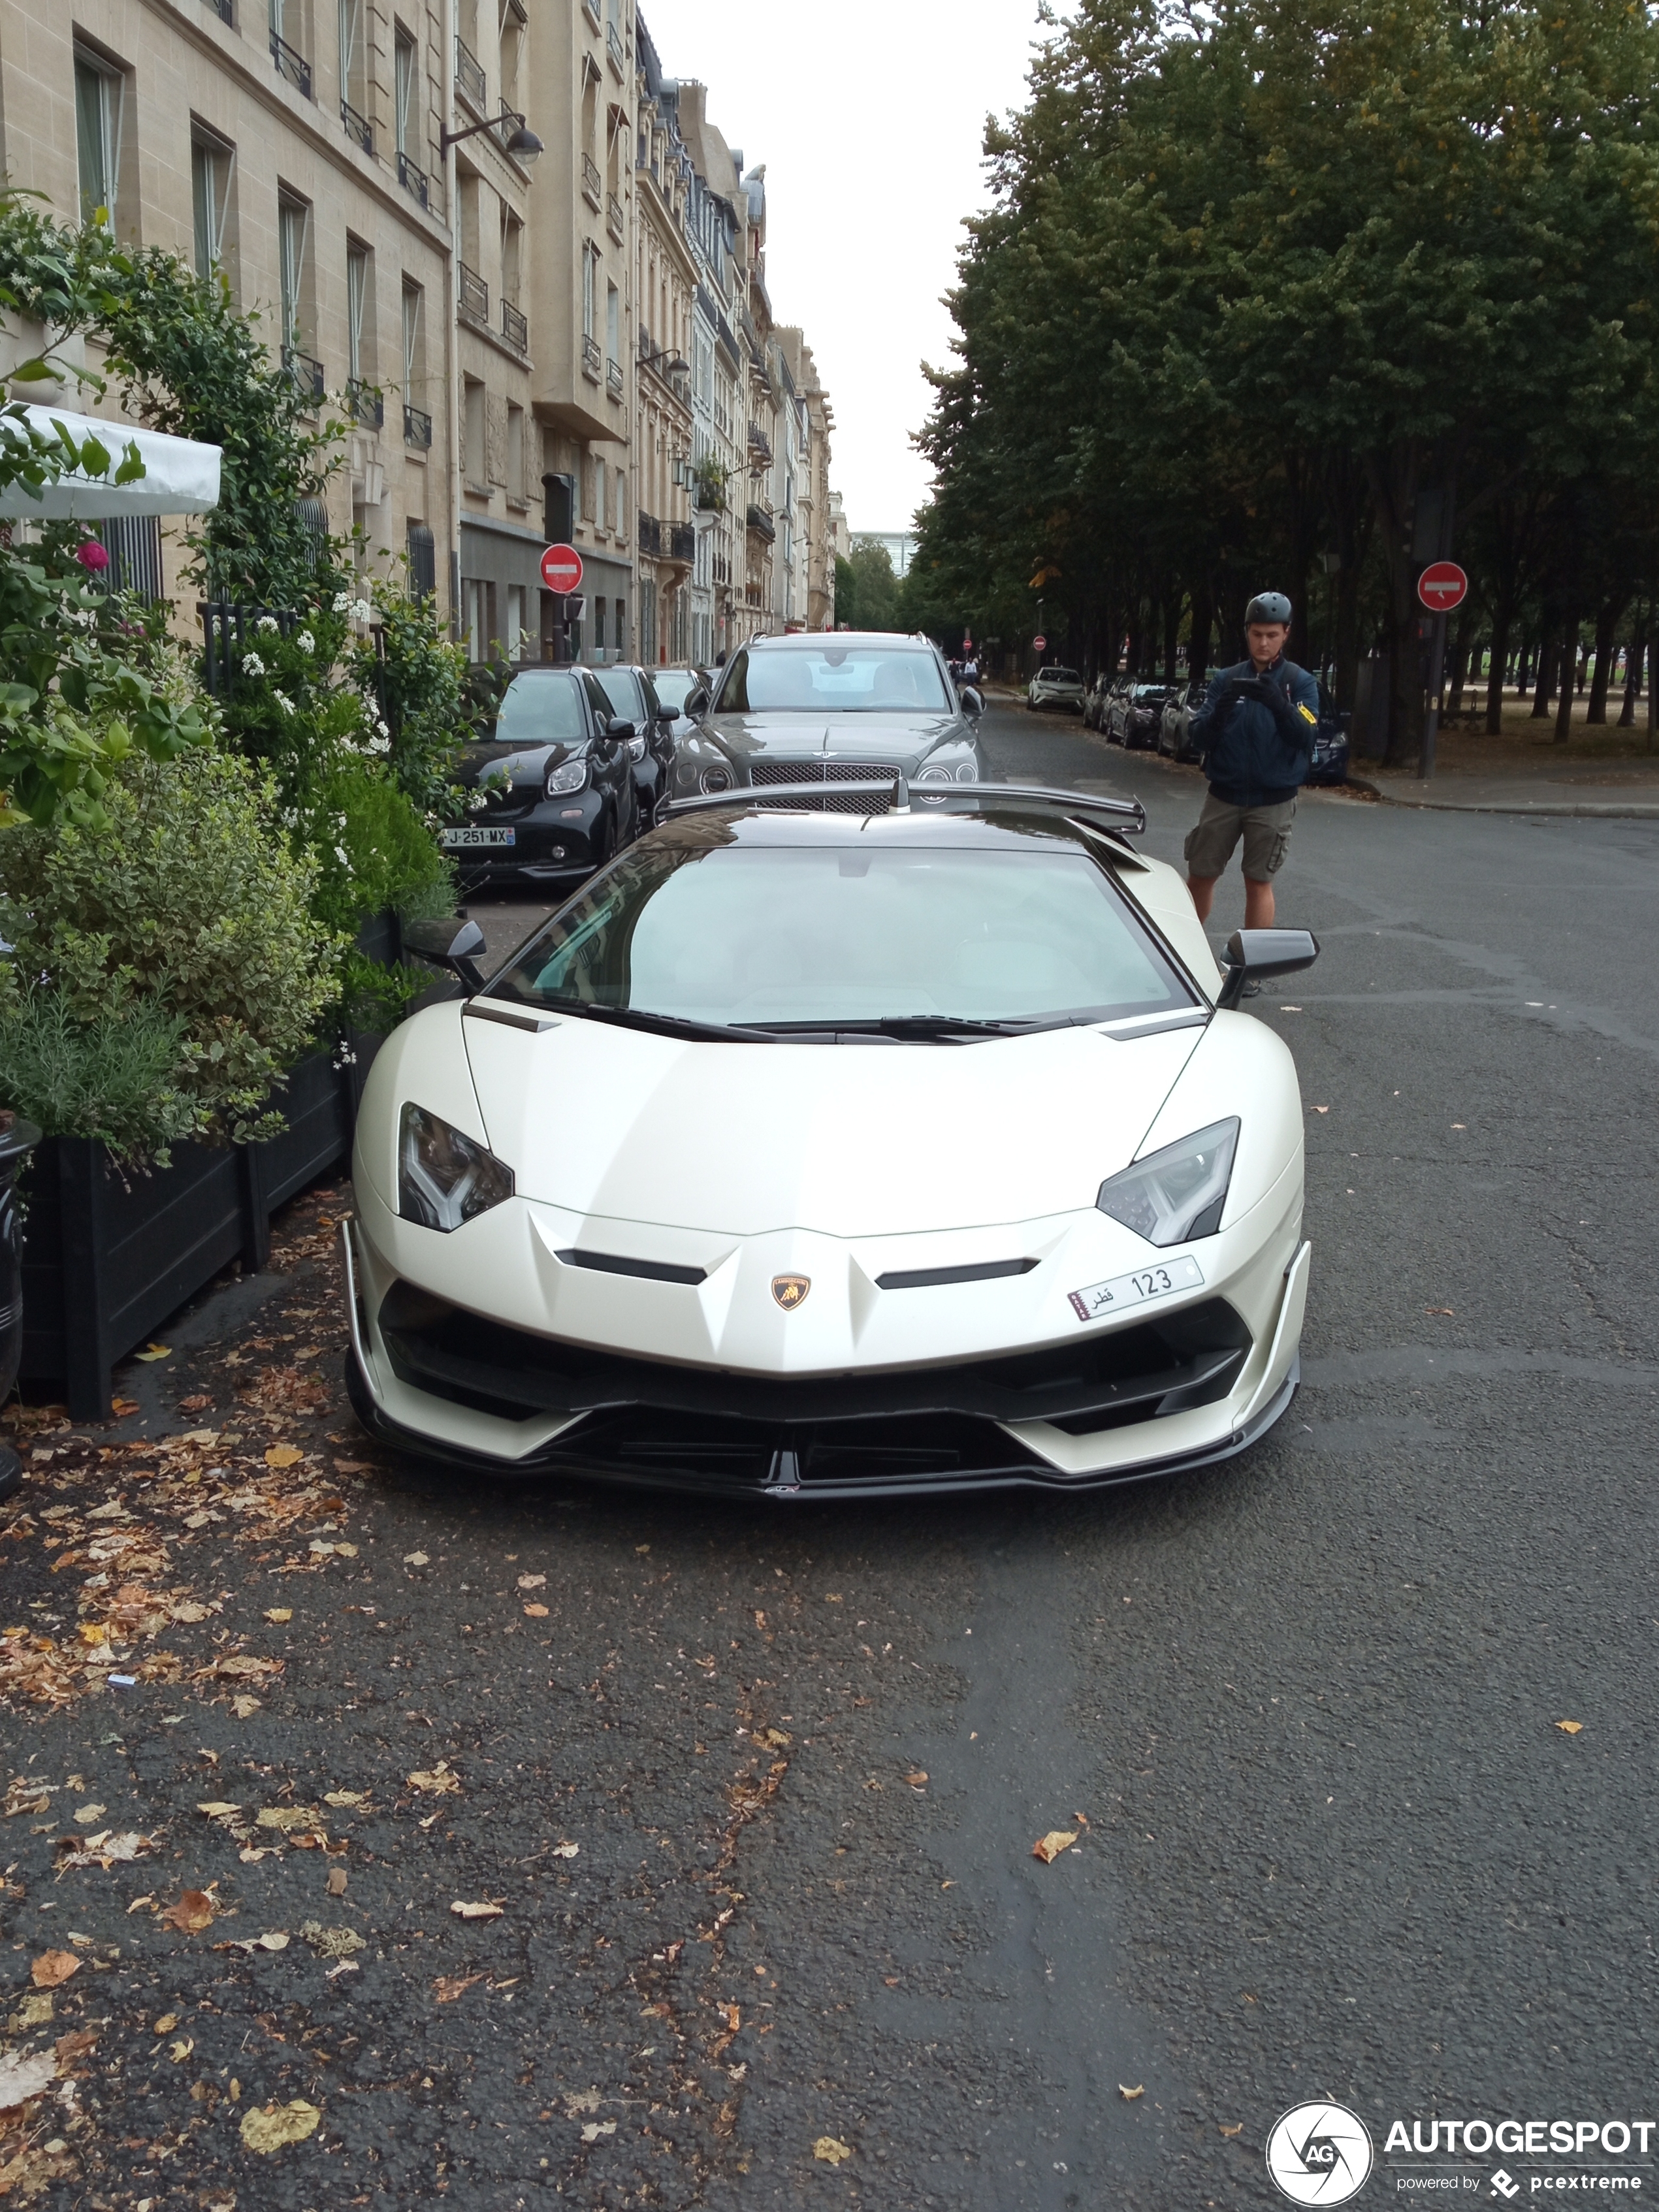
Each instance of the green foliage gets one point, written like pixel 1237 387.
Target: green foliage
pixel 188 901
pixel 418 682
pixel 373 852
pixel 376 994
pixel 875 591
pixel 115 1076
pixel 847 593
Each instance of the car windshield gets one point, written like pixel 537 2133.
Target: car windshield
pixel 1058 676
pixel 540 710
pixel 835 938
pixel 834 679
pixel 675 686
pixel 625 691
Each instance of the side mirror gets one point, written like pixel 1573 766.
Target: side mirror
pixel 697 703
pixel 1253 955
pixel 972 705
pixel 622 730
pixel 450 942
pixel 668 715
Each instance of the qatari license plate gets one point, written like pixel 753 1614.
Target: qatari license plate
pixel 1145 1284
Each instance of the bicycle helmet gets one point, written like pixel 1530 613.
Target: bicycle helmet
pixel 1269 607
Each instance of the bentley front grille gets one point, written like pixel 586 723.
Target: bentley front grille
pixel 772 771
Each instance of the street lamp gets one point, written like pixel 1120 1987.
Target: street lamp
pixel 678 366
pixel 523 145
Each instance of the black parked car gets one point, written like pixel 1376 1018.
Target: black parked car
pixel 1179 708
pixel 632 693
pixel 1131 715
pixel 553 786
pixel 1094 707
pixel 1330 747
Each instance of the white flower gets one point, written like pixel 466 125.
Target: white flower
pixel 380 745
pixel 267 622
pixel 283 700
pixel 478 799
pixel 343 856
pixel 342 601
pixel 360 610
pixel 251 665
pixel 305 643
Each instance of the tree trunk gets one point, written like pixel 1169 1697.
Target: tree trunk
pixel 1523 666
pixel 1606 621
pixel 1500 665
pixel 1632 674
pixel 1459 660
pixel 1569 667
pixel 1198 647
pixel 1393 480
pixel 1172 605
pixel 1543 688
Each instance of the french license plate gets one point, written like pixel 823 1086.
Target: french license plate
pixel 1145 1284
pixel 474 834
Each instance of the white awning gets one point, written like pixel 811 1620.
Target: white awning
pixel 180 476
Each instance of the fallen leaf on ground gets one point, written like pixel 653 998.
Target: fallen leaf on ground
pixel 280 1612
pixel 448 1987
pixel 1446 1310
pixel 1129 2095
pixel 191 1912
pixel 331 1942
pixel 23 2075
pixel 437 1783
pixel 1317 1109
pixel 52 1967
pixel 537 1611
pixel 464 1912
pixel 918 1778
pixel 533 1582
pixel 198 1405
pixel 416 1559
pixel 218 1809
pixel 244 1665
pixel 1048 1848
pixel 565 1850
pixel 177 2052
pixel 577 2101
pixel 89 1815
pixel 344 1797
pixel 245 1707
pixel 34 2011
pixel 831 2151
pixel 1570 1728
pixel 337 1882
pixel 274 1941
pixel 1237 2129
pixel 69 2048
pixel 285 1455
pixel 155 1352
pixel 271 2127
pixel 189 1611
pixel 775 1739
pixel 732 2015
pixel 287 1817
pixel 122 1406
pixel 594 2129
pixel 167 2023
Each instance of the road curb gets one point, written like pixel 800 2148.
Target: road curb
pixel 1592 809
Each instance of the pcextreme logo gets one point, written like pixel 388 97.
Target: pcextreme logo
pixel 1319 2154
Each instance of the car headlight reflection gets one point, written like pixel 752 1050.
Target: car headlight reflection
pixel 1176 1194
pixel 445 1178
pixel 569 775
pixel 716 779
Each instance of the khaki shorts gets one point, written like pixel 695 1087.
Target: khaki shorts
pixel 1266 831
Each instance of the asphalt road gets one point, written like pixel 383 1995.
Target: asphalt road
pixel 1302 1709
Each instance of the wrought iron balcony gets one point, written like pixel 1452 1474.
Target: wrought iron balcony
pixel 366 405
pixel 414 181
pixel 356 127
pixel 417 428
pixel 474 294
pixel 759 443
pixel 613 217
pixel 593 359
pixel 304 373
pixel 613 378
pixel 648 533
pixel 762 524
pixel 468 75
pixel 291 65
pixel 590 9
pixel 592 183
pixel 514 328
pixel 225 10
pixel 613 47
pixel 682 543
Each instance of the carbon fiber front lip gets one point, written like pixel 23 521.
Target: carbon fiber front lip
pixel 1022 1473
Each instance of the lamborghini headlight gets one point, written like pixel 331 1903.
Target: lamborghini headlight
pixel 569 775
pixel 1176 1194
pixel 443 1177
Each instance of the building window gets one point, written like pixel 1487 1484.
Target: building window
pixel 294 258
pixel 475 618
pixel 413 343
pixel 423 561
pixel 475 407
pixel 516 634
pixel 100 107
pixel 612 327
pixel 589 466
pixel 358 289
pixel 403 79
pixel 212 173
pixel 515 476
pixel 599 628
pixel 648 621
pixel 620 518
pixel 590 280
pixel 601 474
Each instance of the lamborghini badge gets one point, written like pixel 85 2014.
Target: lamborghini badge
pixel 790 1289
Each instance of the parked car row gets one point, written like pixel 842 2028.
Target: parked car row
pixel 582 760
pixel 1147 715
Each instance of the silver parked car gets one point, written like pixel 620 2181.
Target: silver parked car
pixel 1056 687
pixel 845 707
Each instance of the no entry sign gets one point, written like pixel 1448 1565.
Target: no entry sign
pixel 561 567
pixel 1041 644
pixel 1442 585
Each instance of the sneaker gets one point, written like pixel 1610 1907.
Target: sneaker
pixel 1251 991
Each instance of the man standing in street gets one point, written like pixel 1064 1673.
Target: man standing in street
pixel 1255 735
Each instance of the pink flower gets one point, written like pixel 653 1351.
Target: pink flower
pixel 92 556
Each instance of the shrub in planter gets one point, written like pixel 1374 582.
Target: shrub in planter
pixel 190 902
pixel 113 1078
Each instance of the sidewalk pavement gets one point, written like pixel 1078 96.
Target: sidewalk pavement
pixel 1624 789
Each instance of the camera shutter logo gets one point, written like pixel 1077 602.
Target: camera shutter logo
pixel 1319 2154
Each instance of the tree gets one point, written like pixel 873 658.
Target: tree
pixel 875 587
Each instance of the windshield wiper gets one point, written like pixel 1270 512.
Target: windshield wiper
pixel 901 1025
pixel 637 1018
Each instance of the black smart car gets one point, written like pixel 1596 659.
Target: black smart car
pixel 633 695
pixel 552 787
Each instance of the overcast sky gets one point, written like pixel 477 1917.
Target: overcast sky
pixel 869 116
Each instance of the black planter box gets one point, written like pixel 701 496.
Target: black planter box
pixel 109 1256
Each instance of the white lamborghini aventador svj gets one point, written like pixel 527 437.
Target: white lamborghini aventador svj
pixel 819 1152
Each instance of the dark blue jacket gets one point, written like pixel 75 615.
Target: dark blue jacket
pixel 1255 755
